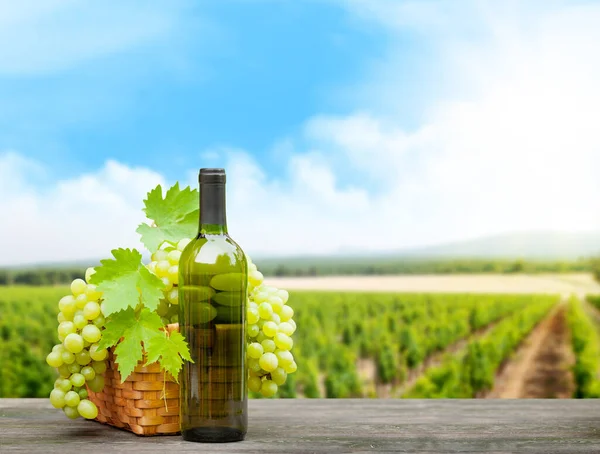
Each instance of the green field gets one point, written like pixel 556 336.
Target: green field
pixel 339 334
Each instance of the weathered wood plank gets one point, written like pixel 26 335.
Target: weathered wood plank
pixel 305 425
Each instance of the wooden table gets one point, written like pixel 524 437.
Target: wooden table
pixel 305 425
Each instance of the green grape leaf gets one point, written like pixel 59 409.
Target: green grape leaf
pixel 125 282
pixel 175 216
pixel 130 334
pixel 169 351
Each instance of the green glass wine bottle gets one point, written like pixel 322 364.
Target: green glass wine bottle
pixel 213 276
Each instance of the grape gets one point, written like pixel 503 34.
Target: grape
pixel 71 412
pixel 163 308
pixel 268 362
pixel 64 371
pixel 268 388
pixel 276 303
pixel 275 319
pixel 87 409
pixel 74 368
pixel 68 357
pixel 255 278
pixel 61 317
pixel 168 284
pixel 254 384
pixel 253 330
pixel 255 350
pixel 99 367
pixel 91 333
pixel 83 358
pixel 261 297
pixel 284 357
pixel 78 286
pixel 88 372
pixel 254 365
pixel 91 310
pixel 83 394
pixel 67 305
pixel 54 359
pixel 270 329
pixel 174 256
pixel 283 341
pixel 57 398
pixel 293 323
pixel 284 295
pixel 81 301
pixel 286 328
pixel 286 313
pixel 96 384
pixel 182 244
pixel 151 267
pixel 98 354
pixel 79 321
pixel 77 380
pixel 260 336
pixel 162 268
pixel 268 345
pixel 72 399
pixel 291 368
pixel 74 342
pixel 173 296
pixel 252 316
pixel 66 328
pixel 99 321
pixel 279 376
pixel 58 348
pixel 173 274
pixel 159 255
pixel 89 273
pixel 65 385
pixel 92 293
pixel 265 310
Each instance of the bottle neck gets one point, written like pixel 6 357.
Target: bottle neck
pixel 213 219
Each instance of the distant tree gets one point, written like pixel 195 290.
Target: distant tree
pixel 596 268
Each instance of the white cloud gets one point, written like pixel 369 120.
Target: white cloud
pixel 511 145
pixel 77 219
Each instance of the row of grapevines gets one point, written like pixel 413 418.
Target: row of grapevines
pixel 594 300
pixel 397 330
pixel 586 347
pixel 26 333
pixel 473 370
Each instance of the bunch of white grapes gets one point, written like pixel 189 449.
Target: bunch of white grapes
pixel 77 357
pixel 269 328
pixel 165 264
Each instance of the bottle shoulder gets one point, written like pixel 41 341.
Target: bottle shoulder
pixel 220 251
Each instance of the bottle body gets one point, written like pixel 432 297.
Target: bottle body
pixel 213 276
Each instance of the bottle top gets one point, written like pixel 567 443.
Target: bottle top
pixel 212 176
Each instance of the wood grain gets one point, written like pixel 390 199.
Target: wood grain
pixel 332 426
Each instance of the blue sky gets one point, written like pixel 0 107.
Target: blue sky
pixel 424 121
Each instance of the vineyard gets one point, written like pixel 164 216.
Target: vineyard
pixel 358 344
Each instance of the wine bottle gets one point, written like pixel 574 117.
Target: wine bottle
pixel 213 276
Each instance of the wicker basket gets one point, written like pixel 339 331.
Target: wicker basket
pixel 146 403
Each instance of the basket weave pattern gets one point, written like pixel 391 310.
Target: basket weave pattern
pixel 146 403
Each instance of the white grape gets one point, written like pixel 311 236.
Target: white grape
pixel 182 244
pixel 78 286
pixel 268 388
pixel 89 273
pixel 73 343
pixel 268 362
